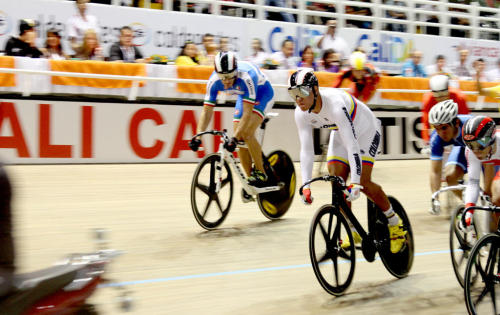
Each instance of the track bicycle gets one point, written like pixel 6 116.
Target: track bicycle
pixel 482 273
pixel 461 242
pixel 333 265
pixel 212 185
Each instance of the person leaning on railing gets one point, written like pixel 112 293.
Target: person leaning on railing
pixel 90 48
pixel 53 47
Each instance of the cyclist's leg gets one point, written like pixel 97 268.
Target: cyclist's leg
pixel 495 198
pixel 455 168
pixel 243 154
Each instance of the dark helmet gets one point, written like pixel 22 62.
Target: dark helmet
pixel 25 25
pixel 302 77
pixel 479 132
pixel 226 63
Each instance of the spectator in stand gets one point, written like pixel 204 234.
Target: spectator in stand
pixel 478 73
pixel 322 7
pixel 307 58
pixel 188 55
pixel 331 61
pixel 224 44
pixel 53 48
pixel 363 75
pixel 207 40
pixel 211 51
pixel 412 67
pixel 279 16
pixel 332 41
pixel 363 11
pixel 258 55
pixel 440 91
pixel 399 15
pixel 494 74
pixel 79 23
pixel 461 69
pixel 90 48
pixel 439 67
pixel 24 45
pixel 284 57
pixel 124 50
pixel 429 18
pixel 455 20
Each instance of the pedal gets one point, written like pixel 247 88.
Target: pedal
pixel 246 197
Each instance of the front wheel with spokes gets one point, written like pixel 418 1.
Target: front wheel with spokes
pixel 461 244
pixel 333 264
pixel 211 207
pixel 482 295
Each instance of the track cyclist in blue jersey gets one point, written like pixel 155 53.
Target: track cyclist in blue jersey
pixel 255 97
pixel 448 131
pixel 353 146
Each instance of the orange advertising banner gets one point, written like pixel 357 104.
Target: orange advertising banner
pixel 99 67
pixel 193 72
pixel 7 79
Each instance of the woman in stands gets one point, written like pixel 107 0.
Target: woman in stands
pixel 308 58
pixel 188 55
pixel 90 49
pixel 53 48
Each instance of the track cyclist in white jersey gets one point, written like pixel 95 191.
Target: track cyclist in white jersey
pixel 354 142
pixel 255 97
pixel 483 150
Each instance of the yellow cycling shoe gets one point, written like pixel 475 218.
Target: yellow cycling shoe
pixel 346 243
pixel 397 235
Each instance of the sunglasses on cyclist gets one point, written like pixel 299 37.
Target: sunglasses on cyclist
pixel 227 76
pixel 299 91
pixel 480 144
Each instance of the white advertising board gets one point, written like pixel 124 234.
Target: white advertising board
pixel 47 132
pixel 164 32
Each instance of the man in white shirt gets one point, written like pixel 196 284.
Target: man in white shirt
pixel 439 67
pixel 461 69
pixel 284 57
pixel 332 41
pixel 79 23
pixel 493 75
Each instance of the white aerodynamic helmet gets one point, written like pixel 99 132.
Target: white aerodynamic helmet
pixel 439 83
pixel 443 112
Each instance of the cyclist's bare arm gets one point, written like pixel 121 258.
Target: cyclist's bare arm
pixel 206 116
pixel 436 172
pixel 489 174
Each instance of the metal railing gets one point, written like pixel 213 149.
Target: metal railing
pixel 482 21
pixel 132 95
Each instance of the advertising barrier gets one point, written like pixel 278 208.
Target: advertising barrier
pixel 52 132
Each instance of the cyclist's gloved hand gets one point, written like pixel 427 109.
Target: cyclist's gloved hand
pixel 353 191
pixel 426 150
pixel 436 207
pixel 231 146
pixel 194 144
pixel 307 199
pixel 468 220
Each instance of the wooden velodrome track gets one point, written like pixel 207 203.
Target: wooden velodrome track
pixel 249 266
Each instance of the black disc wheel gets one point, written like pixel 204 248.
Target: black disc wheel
pixel 275 204
pixel 398 264
pixel 333 263
pixel 210 207
pixel 461 244
pixel 482 277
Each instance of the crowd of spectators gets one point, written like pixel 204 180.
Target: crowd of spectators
pixel 329 53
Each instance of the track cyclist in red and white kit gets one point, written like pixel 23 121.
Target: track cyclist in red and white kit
pixel 354 142
pixel 483 150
